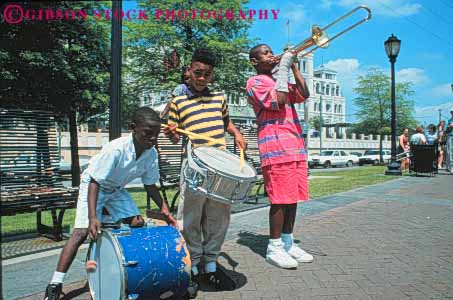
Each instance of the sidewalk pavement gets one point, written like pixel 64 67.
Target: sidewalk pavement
pixel 388 241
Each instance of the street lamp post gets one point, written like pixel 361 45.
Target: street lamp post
pixel 115 73
pixel 320 122
pixel 392 48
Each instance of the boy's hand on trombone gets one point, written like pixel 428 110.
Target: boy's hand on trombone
pixel 288 58
pixel 171 133
pixel 291 54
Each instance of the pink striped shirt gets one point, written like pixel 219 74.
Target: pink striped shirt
pixel 279 131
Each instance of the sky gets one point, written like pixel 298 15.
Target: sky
pixel 425 28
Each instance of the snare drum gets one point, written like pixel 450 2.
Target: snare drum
pixel 151 262
pixel 216 173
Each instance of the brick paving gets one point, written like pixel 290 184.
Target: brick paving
pixel 389 241
pixel 19 247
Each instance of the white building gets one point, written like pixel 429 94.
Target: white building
pixel 327 97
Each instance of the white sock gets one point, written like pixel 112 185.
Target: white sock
pixel 195 270
pixel 287 236
pixel 58 277
pixel 210 267
pixel 287 239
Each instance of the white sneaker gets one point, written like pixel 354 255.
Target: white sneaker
pixel 299 254
pixel 296 252
pixel 276 255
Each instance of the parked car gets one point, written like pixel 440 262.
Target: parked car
pixel 372 157
pixel 356 153
pixel 329 158
pixel 65 167
pixel 355 157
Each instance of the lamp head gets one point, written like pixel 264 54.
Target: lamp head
pixel 392 47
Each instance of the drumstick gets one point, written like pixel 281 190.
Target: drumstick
pixel 91 264
pixel 241 163
pixel 196 135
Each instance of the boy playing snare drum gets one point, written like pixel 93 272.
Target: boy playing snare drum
pixel 120 161
pixel 205 221
pixel 282 150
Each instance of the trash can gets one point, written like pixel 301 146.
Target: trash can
pixel 424 160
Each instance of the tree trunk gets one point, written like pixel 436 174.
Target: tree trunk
pixel 75 167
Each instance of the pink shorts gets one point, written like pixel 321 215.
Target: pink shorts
pixel 286 183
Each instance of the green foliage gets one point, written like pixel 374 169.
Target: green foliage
pixel 315 122
pixel 157 50
pixel 374 104
pixel 385 131
pixel 59 65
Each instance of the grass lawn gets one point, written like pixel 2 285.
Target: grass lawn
pixel 340 181
pixel 346 179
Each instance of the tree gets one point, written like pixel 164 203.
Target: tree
pixel 157 50
pixel 373 103
pixel 315 122
pixel 58 65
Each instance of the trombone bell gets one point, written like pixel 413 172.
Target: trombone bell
pixel 319 37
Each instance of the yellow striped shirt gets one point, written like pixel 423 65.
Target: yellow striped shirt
pixel 205 115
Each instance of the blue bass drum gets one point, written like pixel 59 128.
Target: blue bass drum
pixel 151 262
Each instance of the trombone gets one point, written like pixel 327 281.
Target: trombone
pixel 319 36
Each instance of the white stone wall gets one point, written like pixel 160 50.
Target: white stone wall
pixel 356 144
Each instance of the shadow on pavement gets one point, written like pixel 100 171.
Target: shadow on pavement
pixel 256 242
pixel 239 279
pixel 76 292
pixel 229 269
pixel 83 293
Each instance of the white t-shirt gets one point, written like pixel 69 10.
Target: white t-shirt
pixel 418 139
pixel 117 165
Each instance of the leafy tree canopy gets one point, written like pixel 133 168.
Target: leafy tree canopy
pixel 315 122
pixel 58 65
pixel 374 104
pixel 157 50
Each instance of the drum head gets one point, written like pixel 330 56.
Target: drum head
pixel 224 161
pixel 106 283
